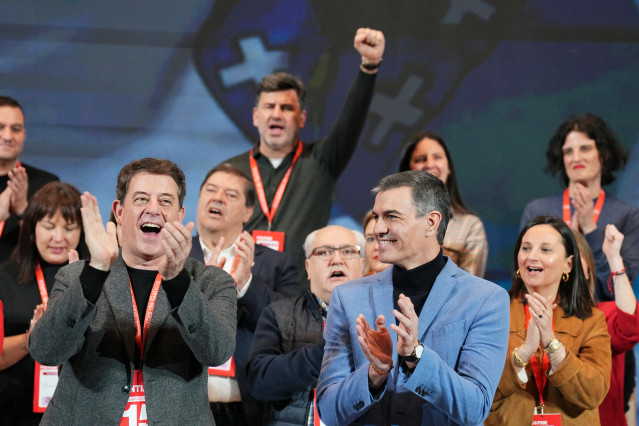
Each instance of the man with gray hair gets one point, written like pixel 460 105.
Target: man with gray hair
pixel 287 349
pixel 442 358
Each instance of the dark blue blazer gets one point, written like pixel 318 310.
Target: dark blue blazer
pixel 274 277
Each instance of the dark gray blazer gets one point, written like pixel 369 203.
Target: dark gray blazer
pixel 95 344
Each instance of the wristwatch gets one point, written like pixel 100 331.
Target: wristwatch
pixel 553 346
pixel 417 353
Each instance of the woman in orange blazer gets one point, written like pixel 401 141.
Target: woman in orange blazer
pixel 559 341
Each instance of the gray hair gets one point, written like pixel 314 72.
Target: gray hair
pixel 429 194
pixel 359 241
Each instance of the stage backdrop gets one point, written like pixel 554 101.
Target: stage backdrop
pixel 105 83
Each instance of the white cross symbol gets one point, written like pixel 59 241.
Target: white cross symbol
pixel 257 62
pixel 395 110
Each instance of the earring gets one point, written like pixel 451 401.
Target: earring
pixel 565 276
pixel 518 273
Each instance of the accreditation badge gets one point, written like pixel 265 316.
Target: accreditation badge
pixel 271 239
pixel 45 381
pixel 545 419
pixel 135 412
pixel 225 370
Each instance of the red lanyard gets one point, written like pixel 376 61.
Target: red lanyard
pixel 42 286
pixel 259 186
pixel 139 337
pixel 539 372
pixel 2 223
pixel 596 211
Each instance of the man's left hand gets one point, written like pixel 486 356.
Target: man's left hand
pixel 176 240
pixel 5 204
pixel 407 337
pixel 19 184
pixel 245 250
pixel 370 44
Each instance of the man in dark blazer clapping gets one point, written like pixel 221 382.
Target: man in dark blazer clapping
pixel 262 275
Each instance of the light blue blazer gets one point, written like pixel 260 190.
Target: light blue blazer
pixel 464 327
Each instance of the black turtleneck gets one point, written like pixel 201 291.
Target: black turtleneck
pixel 416 283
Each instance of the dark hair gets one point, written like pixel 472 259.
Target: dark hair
pixel 586 254
pixel 574 295
pixel 428 194
pixel 451 182
pixel 51 198
pixel 10 102
pixel 249 187
pixel 155 166
pixel 279 81
pixel 612 154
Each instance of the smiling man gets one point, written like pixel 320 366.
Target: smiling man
pixel 262 275
pixel 295 180
pixel 18 181
pixel 287 349
pixel 442 358
pixel 135 330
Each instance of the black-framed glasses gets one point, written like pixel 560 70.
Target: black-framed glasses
pixel 327 252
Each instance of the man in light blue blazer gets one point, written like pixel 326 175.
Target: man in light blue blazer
pixel 449 329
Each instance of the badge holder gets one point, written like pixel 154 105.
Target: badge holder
pixel 271 239
pixel 545 419
pixel 45 381
pixel 135 411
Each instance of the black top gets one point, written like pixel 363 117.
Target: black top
pixel 416 283
pixel 92 280
pixel 306 204
pixel 37 179
pixel 16 382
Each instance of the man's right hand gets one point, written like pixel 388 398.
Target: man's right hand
pixel 102 243
pixel 376 365
pixel 215 254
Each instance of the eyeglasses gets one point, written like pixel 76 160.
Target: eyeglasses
pixel 326 252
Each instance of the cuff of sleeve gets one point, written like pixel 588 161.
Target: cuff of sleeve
pixel 92 280
pixel 176 288
pixel 241 293
pixel 317 353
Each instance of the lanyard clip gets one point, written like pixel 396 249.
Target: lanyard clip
pixel 539 409
pixel 269 227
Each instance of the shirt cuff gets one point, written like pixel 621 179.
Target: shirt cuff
pixel 92 280
pixel 176 288
pixel 241 293
pixel 522 376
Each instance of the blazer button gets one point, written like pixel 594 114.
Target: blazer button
pixel 126 389
pixel 192 328
pixel 70 323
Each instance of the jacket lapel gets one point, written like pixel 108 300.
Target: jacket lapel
pixel 436 298
pixel 118 293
